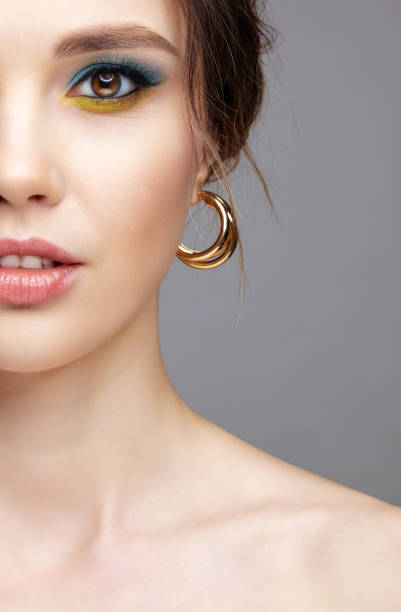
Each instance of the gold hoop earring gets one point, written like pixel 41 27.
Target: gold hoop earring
pixel 226 241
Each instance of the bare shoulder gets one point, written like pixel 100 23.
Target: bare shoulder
pixel 343 546
pixel 313 543
pixel 332 558
pixel 337 548
pixel 356 557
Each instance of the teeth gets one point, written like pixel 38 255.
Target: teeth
pixel 26 261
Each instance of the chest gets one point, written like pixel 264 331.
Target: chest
pixel 180 574
pixel 172 574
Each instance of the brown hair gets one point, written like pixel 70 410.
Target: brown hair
pixel 223 79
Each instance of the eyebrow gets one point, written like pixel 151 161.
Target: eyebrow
pixel 111 37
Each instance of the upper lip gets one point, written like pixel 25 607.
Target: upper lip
pixel 36 246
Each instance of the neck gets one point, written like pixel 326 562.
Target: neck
pixel 94 440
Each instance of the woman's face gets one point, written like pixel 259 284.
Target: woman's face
pixel 116 174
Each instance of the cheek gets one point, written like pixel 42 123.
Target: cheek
pixel 158 188
pixel 135 192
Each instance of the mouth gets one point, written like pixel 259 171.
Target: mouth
pixel 22 286
pixel 34 253
pixel 34 270
pixel 29 262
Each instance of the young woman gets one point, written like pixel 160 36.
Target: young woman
pixel 115 495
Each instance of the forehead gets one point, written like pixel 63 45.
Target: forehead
pixel 36 25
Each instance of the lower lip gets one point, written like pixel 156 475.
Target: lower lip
pixel 28 286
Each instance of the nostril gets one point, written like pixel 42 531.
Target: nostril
pixel 36 197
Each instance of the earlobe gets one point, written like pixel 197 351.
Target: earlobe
pixel 201 176
pixel 195 195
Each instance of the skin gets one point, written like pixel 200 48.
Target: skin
pixel 114 493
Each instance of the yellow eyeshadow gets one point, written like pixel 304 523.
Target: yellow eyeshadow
pixel 98 105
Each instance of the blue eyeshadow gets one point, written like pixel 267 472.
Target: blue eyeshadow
pixel 143 73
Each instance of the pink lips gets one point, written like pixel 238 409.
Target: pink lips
pixel 36 246
pixel 29 286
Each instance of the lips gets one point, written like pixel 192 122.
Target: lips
pixel 37 246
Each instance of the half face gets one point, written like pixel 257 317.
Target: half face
pixel 92 119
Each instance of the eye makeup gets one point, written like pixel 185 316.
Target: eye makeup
pixel 145 76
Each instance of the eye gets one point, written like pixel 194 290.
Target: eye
pixel 106 84
pixel 112 79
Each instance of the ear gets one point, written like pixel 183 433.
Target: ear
pixel 201 176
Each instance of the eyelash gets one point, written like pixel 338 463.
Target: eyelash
pixel 143 76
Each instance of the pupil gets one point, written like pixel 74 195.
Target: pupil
pixel 106 84
pixel 106 80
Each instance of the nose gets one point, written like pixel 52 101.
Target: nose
pixel 28 173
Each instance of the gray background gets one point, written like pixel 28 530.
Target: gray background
pixel 309 368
